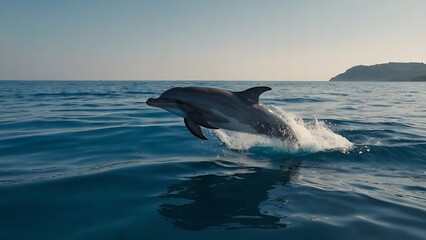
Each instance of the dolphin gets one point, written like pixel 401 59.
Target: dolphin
pixel 216 108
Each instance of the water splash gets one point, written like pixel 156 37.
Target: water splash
pixel 312 137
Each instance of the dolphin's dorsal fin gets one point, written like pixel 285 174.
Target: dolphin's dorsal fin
pixel 194 128
pixel 253 93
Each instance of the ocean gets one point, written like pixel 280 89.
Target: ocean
pixel 90 160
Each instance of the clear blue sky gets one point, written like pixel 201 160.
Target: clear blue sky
pixel 205 39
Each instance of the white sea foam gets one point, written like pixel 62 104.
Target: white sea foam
pixel 312 137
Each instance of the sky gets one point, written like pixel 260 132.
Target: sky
pixel 298 40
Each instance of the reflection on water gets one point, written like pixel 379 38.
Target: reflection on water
pixel 230 200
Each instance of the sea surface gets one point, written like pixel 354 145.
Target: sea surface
pixel 90 160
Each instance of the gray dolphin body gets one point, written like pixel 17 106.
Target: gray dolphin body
pixel 216 108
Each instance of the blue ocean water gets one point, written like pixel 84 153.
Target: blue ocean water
pixel 90 160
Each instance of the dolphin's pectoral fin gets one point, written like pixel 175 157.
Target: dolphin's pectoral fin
pixel 199 119
pixel 194 128
pixel 197 114
pixel 253 93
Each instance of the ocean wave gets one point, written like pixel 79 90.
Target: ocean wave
pixel 311 137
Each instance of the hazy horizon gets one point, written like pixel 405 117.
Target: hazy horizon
pixel 217 40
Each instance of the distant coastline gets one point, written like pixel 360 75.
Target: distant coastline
pixel 386 72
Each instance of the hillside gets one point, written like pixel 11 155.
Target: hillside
pixel 392 72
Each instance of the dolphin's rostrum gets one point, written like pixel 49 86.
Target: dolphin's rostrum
pixel 216 108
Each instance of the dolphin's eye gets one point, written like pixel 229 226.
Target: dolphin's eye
pixel 179 102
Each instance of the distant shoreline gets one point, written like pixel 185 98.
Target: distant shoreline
pixel 386 72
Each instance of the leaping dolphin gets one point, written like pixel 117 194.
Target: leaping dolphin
pixel 216 108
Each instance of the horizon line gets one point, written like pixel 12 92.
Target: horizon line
pixel 153 80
